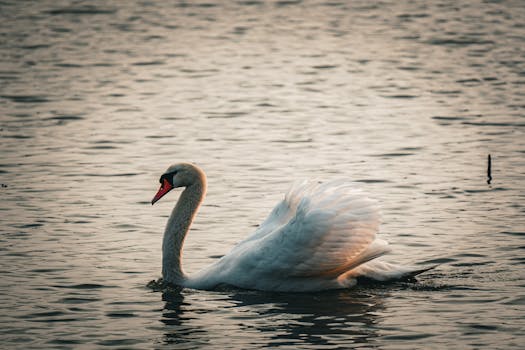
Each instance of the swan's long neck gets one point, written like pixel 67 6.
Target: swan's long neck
pixel 178 226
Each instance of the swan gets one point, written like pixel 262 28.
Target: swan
pixel 320 236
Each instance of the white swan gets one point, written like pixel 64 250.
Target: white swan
pixel 320 236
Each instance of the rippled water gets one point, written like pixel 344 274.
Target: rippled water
pixel 406 97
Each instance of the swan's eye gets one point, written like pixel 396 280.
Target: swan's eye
pixel 168 177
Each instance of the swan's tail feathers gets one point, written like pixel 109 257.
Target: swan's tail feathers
pixel 380 271
pixel 412 274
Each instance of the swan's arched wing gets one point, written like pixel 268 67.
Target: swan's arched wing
pixel 317 230
pixel 281 213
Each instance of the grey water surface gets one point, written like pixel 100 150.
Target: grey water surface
pixel 407 98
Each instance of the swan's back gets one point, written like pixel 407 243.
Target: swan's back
pixel 311 240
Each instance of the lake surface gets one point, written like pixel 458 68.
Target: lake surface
pixel 407 98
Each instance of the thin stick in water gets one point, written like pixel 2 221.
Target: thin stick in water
pixel 489 170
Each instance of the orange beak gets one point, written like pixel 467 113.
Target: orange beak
pixel 165 187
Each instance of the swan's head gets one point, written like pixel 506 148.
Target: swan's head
pixel 179 175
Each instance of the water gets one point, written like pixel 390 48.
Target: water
pixel 406 97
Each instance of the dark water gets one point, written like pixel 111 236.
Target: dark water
pixel 407 97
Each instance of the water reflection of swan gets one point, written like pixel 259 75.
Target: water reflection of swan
pixel 320 236
pixel 254 319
